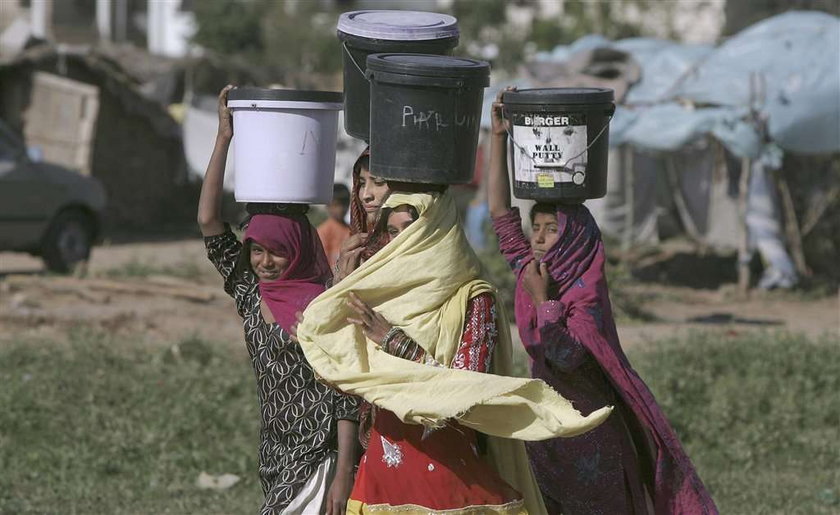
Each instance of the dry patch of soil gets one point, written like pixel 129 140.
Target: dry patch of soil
pixel 162 293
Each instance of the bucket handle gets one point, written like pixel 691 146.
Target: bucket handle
pixel 531 157
pixel 353 59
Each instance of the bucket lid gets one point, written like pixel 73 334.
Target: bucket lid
pixel 559 96
pixel 427 65
pixel 398 25
pixel 285 95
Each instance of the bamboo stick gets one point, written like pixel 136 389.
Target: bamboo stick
pixel 793 232
pixel 744 243
pixel 629 198
pixel 679 201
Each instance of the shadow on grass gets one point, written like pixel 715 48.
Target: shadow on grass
pixel 692 270
pixel 729 318
pixel 33 273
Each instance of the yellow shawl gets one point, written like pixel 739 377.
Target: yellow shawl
pixel 421 282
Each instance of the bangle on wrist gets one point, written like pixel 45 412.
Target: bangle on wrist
pixel 389 336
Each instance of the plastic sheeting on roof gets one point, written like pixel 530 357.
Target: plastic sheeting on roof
pixel 663 64
pixel 797 57
pixel 671 126
pixel 689 91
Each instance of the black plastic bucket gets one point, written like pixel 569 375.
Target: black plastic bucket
pixel 425 114
pixel 371 32
pixel 559 141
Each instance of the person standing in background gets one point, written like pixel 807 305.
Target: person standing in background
pixel 334 231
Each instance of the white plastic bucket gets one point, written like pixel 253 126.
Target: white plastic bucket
pixel 284 144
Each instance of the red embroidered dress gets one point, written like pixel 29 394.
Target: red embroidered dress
pixel 407 469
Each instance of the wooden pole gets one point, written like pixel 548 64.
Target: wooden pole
pixel 744 244
pixel 104 20
pixel 629 198
pixel 41 18
pixel 793 232
pixel 679 201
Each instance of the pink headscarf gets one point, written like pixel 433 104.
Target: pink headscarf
pixel 576 264
pixel 308 271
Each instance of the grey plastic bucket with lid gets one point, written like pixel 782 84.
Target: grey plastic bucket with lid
pixel 284 144
pixel 376 31
pixel 558 142
pixel 424 116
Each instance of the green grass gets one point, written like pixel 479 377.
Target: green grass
pixel 91 424
pixel 759 415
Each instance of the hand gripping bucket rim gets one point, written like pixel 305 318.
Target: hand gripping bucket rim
pixel 284 144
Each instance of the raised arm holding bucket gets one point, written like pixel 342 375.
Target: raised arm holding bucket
pixel 565 321
pixel 308 431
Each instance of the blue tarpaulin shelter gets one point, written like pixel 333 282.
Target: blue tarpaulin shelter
pixel 786 69
pixel 772 88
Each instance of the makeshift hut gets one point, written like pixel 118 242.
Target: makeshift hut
pixel 137 150
pixel 718 136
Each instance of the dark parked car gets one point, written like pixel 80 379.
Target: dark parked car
pixel 45 209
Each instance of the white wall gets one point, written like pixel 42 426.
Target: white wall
pixel 169 28
pixel 692 21
pixel 40 12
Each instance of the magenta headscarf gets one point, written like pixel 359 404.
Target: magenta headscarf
pixel 576 264
pixel 308 271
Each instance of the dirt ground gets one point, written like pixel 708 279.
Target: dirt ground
pixel 137 290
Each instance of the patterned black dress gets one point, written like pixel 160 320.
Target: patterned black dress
pixel 298 414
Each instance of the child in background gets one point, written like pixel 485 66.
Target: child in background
pixel 334 231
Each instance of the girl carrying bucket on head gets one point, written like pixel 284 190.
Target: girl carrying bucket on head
pixel 565 321
pixel 415 331
pixel 308 431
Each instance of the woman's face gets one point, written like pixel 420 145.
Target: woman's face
pixel 267 266
pixel 544 233
pixel 373 191
pixel 398 220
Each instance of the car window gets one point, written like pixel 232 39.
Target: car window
pixel 8 155
pixel 8 149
